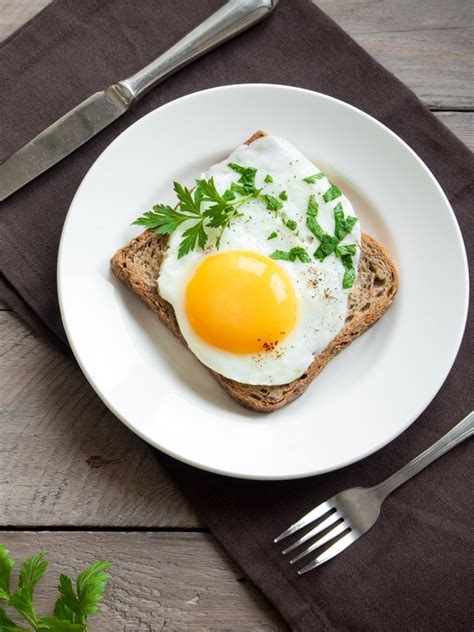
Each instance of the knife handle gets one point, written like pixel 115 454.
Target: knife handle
pixel 233 18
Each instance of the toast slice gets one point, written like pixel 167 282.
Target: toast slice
pixel 138 265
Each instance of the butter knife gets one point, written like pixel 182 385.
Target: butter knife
pixel 94 114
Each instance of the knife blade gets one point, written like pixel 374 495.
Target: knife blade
pixel 60 139
pixel 101 109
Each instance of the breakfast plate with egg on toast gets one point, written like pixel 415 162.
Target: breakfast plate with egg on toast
pixel 310 250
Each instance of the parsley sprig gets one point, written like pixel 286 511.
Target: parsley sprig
pixel 73 607
pixel 165 219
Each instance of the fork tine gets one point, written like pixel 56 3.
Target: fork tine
pixel 338 529
pixel 314 514
pixel 331 552
pixel 320 527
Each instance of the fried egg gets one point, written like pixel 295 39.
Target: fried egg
pixel 245 312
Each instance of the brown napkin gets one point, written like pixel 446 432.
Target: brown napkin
pixel 411 571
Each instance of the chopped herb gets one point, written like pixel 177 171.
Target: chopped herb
pixel 247 177
pixel 272 235
pixel 311 221
pixel 330 243
pixel 343 225
pixel 326 247
pixel 229 195
pixel 268 179
pixel 283 196
pixel 312 179
pixel 291 224
pixel 295 253
pixel 332 193
pixel 272 203
pixel 349 274
pixel 350 249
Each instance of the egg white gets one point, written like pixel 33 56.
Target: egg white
pixel 322 301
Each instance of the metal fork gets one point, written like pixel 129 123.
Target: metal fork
pixel 353 512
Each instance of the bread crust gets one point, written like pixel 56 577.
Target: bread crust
pixel 138 264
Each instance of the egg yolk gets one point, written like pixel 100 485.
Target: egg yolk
pixel 241 302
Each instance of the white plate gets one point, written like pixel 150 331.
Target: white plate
pixel 370 393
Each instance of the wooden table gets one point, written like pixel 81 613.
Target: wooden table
pixel 75 482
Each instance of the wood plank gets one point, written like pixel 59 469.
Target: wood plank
pixel 461 124
pixel 64 458
pixel 14 13
pixel 172 581
pixel 429 46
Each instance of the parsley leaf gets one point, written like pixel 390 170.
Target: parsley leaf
pixel 229 195
pixel 164 218
pixel 67 604
pixel 31 572
pixel 283 196
pixel 192 235
pixel 349 249
pixel 6 565
pixel 295 253
pixel 272 203
pixel 53 624
pixel 268 179
pixel 311 221
pixel 332 193
pixel 90 586
pixel 312 179
pixel 23 606
pixel 6 624
pixel 247 177
pixel 272 235
pixel 326 247
pixel 187 202
pixel 291 224
pixel 83 601
pixel 330 243
pixel 343 225
pixel 350 273
pixel 71 609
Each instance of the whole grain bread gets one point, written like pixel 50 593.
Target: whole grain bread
pixel 138 265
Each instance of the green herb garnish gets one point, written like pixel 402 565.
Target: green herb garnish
pixel 332 193
pixel 247 177
pixel 74 605
pixel 295 253
pixel 311 221
pixel 343 225
pixel 268 179
pixel 272 203
pixel 349 274
pixel 283 196
pixel 272 235
pixel 326 247
pixel 342 251
pixel 330 243
pixel 165 220
pixel 312 179
pixel 291 224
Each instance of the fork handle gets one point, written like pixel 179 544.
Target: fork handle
pixel 459 433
